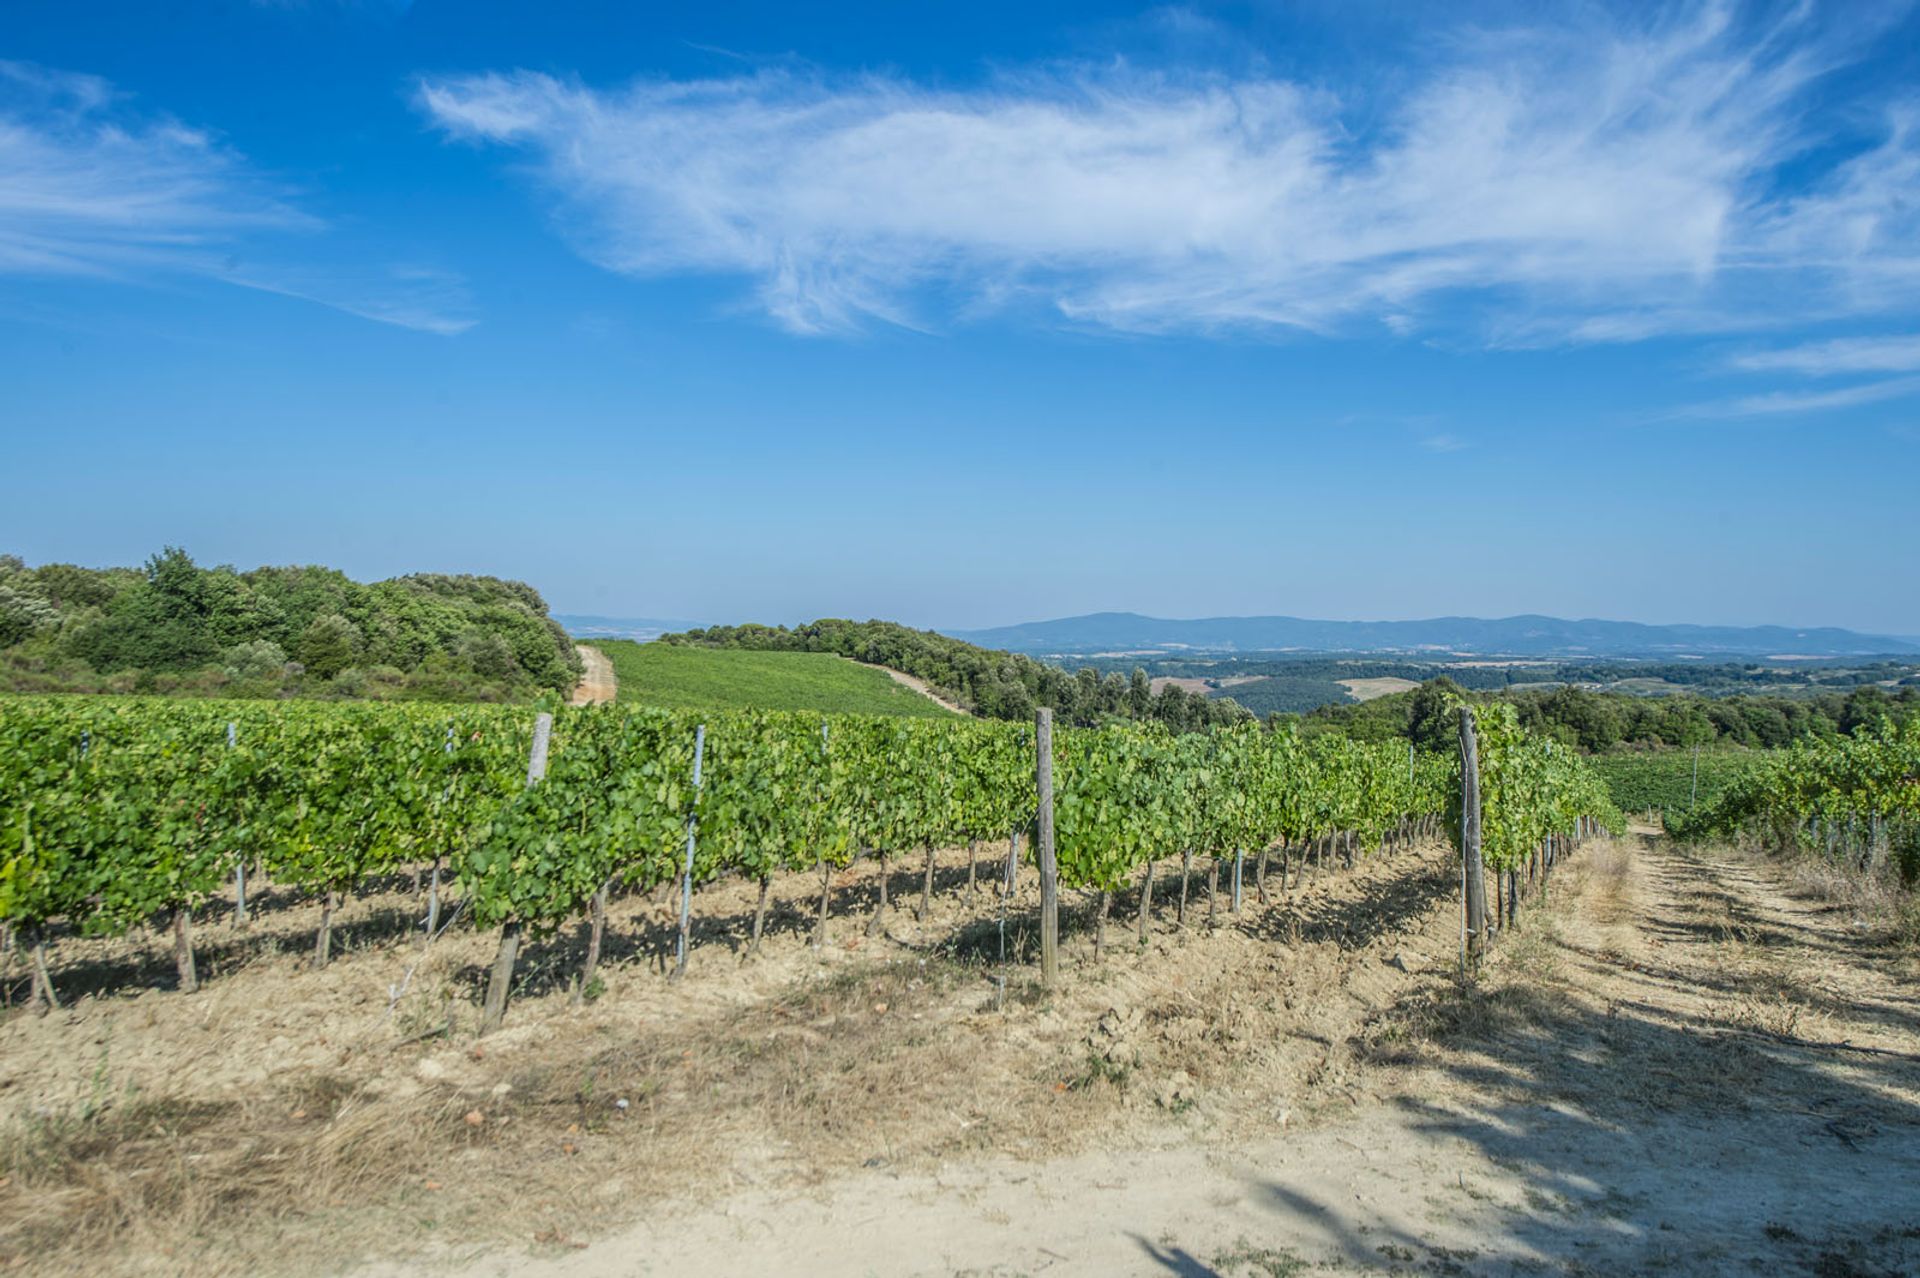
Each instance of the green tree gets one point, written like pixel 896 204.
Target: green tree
pixel 1432 721
pixel 1140 695
pixel 329 645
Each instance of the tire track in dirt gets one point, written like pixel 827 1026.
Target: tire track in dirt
pixel 918 685
pixel 598 683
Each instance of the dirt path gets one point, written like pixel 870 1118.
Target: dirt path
pixel 920 686
pixel 1658 1074
pixel 597 683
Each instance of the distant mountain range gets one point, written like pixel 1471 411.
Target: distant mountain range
pixel 1529 636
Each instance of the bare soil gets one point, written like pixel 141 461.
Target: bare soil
pixel 920 686
pixel 1675 1065
pixel 597 681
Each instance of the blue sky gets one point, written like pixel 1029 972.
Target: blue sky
pixel 979 313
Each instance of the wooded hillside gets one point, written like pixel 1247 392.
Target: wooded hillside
pixel 172 626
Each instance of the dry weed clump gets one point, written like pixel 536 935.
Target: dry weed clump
pixel 146 1184
pixel 1876 899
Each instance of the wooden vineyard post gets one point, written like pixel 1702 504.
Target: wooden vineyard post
pixel 501 979
pixel 239 861
pixel 1239 859
pixel 42 999
pixel 819 940
pixel 1043 849
pixel 926 888
pixel 1186 875
pixel 433 884
pixel 183 949
pixel 1006 894
pixel 1472 883
pixel 686 876
pixel 537 756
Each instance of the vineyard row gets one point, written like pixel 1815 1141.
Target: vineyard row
pixel 118 811
pixel 1854 799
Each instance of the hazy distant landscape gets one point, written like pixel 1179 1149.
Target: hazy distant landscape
pixel 1524 636
pixel 1220 658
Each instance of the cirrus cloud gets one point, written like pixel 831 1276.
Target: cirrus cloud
pixel 1885 354
pixel 1605 183
pixel 91 188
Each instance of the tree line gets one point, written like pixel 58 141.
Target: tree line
pixel 174 627
pixel 1599 722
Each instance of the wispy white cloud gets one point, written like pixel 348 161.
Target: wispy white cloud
pixel 89 187
pixel 1443 443
pixel 1800 403
pixel 1583 183
pixel 83 192
pixel 418 297
pixel 1890 354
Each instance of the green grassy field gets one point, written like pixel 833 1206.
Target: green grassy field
pixel 653 674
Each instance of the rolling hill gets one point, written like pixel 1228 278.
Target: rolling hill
pixel 677 677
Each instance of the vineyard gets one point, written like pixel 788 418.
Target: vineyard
pixel 119 812
pixel 1853 799
pixel 678 677
pixel 1672 781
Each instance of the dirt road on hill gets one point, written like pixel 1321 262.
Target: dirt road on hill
pixel 920 686
pixel 597 683
pixel 1678 1066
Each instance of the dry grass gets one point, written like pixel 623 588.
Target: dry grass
pixel 1602 879
pixel 284 1120
pixel 879 1063
pixel 871 1064
pixel 1876 901
pixel 145 1186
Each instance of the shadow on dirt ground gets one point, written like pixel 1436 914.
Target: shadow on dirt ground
pixel 1713 1083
